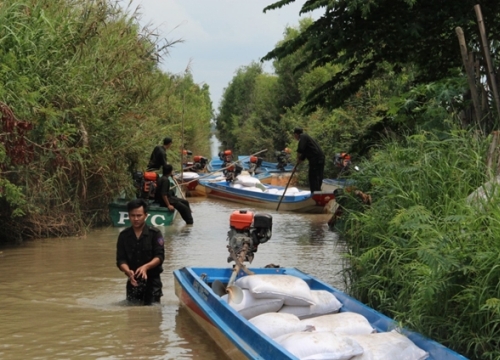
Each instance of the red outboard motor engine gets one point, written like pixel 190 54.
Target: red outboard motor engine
pixel 231 170
pixel 248 231
pixel 145 184
pixel 199 163
pixel 255 164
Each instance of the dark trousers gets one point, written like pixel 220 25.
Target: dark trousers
pixel 147 292
pixel 182 206
pixel 316 168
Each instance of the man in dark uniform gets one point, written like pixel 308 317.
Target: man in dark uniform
pixel 309 149
pixel 169 200
pixel 158 157
pixel 139 254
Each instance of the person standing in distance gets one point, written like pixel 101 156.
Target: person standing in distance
pixel 309 149
pixel 168 200
pixel 158 157
pixel 140 254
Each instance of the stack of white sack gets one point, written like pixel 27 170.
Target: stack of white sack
pixel 260 293
pixel 247 182
pixel 188 176
pixel 293 191
pixel 347 323
pixel 337 336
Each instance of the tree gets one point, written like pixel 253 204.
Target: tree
pixel 361 35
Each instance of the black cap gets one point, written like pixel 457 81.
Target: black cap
pixel 167 141
pixel 298 130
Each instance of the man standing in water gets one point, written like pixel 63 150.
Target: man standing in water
pixel 309 149
pixel 158 157
pixel 139 254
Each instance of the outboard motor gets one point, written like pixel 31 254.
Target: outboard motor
pixel 145 184
pixel 342 161
pixel 283 158
pixel 248 231
pixel 199 163
pixel 231 170
pixel 255 163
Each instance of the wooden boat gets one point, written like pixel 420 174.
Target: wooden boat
pixel 157 216
pixel 334 184
pixel 302 201
pixel 240 339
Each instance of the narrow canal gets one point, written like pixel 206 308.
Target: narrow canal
pixel 63 298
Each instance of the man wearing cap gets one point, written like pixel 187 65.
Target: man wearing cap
pixel 158 157
pixel 309 149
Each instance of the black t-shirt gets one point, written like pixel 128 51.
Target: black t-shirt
pixel 158 158
pixel 137 252
pixel 309 149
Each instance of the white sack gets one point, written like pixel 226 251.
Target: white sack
pixel 276 324
pixel 271 191
pixel 188 176
pixel 250 307
pixel 247 180
pixel 324 302
pixel 388 346
pixel 251 188
pixel 345 323
pixel 293 290
pixel 237 186
pixel 291 191
pixel 319 345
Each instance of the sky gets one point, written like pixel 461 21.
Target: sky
pixel 219 36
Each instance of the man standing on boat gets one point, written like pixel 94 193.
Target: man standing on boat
pixel 309 149
pixel 139 254
pixel 158 157
pixel 167 199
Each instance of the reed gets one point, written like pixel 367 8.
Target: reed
pixel 421 253
pixel 86 76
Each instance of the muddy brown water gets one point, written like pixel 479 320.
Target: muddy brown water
pixel 63 298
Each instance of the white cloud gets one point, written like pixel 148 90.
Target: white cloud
pixel 219 36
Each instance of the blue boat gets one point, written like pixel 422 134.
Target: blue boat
pixel 301 201
pixel 268 166
pixel 240 339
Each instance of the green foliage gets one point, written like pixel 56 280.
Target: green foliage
pixel 421 253
pixel 87 77
pixel 360 35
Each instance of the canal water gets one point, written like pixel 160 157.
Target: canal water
pixel 64 298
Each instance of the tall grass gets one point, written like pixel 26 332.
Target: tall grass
pixel 87 77
pixel 421 253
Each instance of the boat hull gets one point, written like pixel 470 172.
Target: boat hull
pixel 315 203
pixel 157 216
pixel 241 340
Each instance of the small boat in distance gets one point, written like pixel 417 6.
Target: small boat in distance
pixel 239 338
pixel 268 196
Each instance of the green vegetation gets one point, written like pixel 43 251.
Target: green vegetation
pixel 385 81
pixel 84 103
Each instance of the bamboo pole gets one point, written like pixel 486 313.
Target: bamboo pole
pixel 487 56
pixel 470 73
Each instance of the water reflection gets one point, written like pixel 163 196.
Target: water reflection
pixel 64 298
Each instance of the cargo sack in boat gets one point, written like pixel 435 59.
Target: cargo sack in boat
pixel 249 306
pixel 277 324
pixel 388 346
pixel 324 302
pixel 345 323
pixel 320 345
pixel 291 289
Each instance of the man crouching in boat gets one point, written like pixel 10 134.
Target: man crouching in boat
pixel 168 200
pixel 139 254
